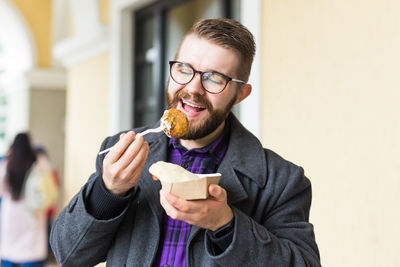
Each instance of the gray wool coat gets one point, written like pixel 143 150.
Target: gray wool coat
pixel 270 198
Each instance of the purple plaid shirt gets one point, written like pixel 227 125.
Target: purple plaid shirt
pixel 175 234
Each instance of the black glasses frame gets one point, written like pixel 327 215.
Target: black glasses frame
pixel 227 78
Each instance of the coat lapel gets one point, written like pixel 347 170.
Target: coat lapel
pixel 230 182
pixel 158 144
pixel 245 155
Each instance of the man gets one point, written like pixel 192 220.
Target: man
pixel 256 216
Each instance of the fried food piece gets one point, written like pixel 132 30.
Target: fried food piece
pixel 175 123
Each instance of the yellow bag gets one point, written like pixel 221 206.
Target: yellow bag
pixel 40 191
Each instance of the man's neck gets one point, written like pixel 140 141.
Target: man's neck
pixel 202 142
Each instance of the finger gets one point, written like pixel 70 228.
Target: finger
pixel 217 192
pixel 120 147
pixel 169 209
pixel 130 153
pixel 135 167
pixel 143 153
pixel 178 203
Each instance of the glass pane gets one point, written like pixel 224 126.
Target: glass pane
pixel 144 104
pixel 145 33
pixel 145 109
pixel 180 18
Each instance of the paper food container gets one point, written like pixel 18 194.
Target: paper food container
pixel 193 189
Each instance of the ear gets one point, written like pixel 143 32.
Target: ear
pixel 243 93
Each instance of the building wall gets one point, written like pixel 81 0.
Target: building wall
pixel 87 123
pixel 47 123
pixel 330 103
pixel 37 13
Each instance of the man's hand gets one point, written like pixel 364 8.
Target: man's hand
pixel 123 165
pixel 211 213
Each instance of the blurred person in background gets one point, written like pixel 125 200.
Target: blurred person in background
pixel 23 235
pixel 2 174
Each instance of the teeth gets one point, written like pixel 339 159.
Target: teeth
pixel 190 104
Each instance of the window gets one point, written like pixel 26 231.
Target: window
pixel 157 33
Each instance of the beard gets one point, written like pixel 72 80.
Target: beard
pixel 211 123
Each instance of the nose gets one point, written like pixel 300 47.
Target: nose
pixel 195 86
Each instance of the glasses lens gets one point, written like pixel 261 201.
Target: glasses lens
pixel 213 82
pixel 181 73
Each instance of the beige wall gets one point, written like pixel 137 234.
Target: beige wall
pixel 46 123
pixel 87 123
pixel 330 94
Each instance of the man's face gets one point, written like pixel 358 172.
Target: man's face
pixel 205 111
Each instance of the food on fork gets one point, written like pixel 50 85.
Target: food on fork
pixel 175 123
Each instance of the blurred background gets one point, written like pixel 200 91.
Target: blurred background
pixel 325 95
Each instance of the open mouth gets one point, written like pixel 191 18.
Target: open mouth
pixel 191 107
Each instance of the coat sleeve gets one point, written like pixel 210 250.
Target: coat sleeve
pixel 78 238
pixel 283 236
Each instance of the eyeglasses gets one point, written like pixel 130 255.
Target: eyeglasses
pixel 211 81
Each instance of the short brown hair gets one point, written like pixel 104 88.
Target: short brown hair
pixel 229 34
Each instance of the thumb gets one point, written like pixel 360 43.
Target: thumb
pixel 217 192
